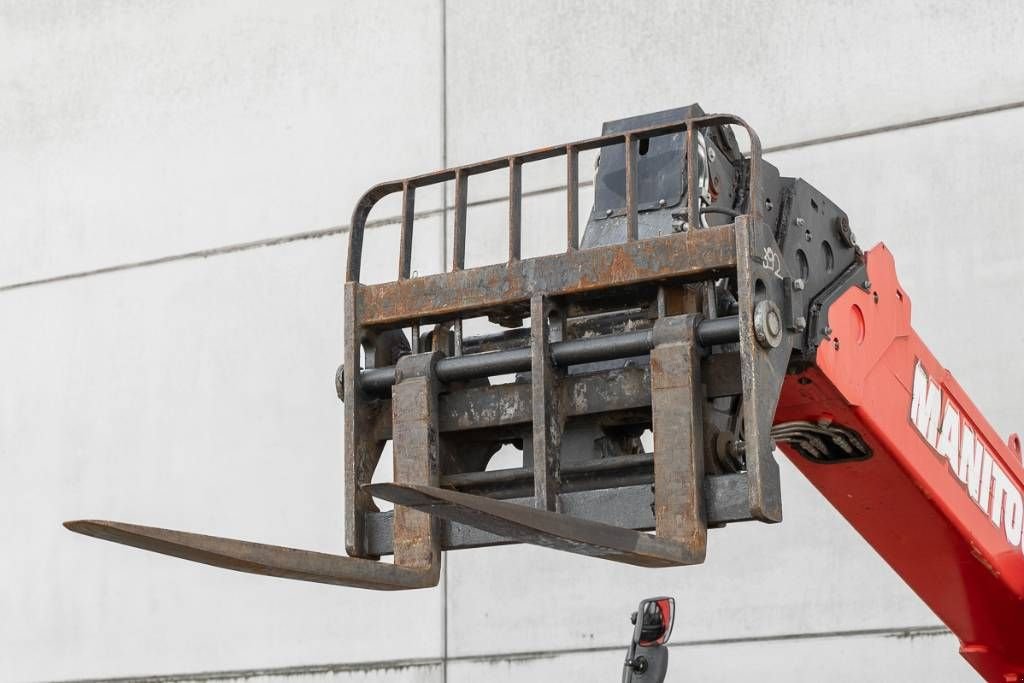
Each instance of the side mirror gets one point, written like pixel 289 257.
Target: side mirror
pixel 647 658
pixel 655 626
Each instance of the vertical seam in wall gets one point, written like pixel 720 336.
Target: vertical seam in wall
pixel 444 259
pixel 444 132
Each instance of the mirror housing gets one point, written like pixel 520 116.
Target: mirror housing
pixel 647 657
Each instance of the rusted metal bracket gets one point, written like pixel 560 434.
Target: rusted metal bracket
pixel 547 325
pixel 416 446
pixel 677 420
pixel 680 519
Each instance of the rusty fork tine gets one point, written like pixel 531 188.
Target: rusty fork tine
pixel 528 524
pixel 259 558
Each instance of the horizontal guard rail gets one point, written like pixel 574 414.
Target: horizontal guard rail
pixel 701 254
pixel 573 352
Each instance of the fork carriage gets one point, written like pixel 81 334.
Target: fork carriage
pixel 701 279
pixel 684 327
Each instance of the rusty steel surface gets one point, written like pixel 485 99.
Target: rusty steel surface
pixel 258 558
pixel 546 404
pixel 563 353
pixel 528 524
pixel 663 275
pixel 416 458
pixel 461 175
pixel 677 421
pixel 435 298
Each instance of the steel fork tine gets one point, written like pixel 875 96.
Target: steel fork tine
pixel 259 558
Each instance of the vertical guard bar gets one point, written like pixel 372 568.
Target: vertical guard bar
pixel 459 231
pixel 677 420
pixel 632 214
pixel 416 452
pixel 572 199
pixel 359 215
pixel 547 409
pixel 515 208
pixel 362 451
pixel 405 247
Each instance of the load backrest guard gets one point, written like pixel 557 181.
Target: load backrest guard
pixel 678 312
pixel 679 298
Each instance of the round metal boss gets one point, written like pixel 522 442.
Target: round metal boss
pixel 768 324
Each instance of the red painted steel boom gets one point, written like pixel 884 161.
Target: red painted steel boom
pixel 941 497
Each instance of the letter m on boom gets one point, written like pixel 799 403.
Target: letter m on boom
pixel 926 405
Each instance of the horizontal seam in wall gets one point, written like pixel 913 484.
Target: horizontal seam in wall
pixel 314 669
pixel 285 671
pixel 340 229
pixel 905 632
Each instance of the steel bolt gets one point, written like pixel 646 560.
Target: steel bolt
pixel 661 203
pixel 801 324
pixel 798 284
pixel 800 222
pixel 827 331
pixel 866 284
pixel 608 213
pixel 768 324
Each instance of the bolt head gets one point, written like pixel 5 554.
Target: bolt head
pixel 800 222
pixel 798 284
pixel 661 203
pixel 608 212
pixel 768 324
pixel 801 324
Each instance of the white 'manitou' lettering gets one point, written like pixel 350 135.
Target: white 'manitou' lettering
pixel 949 437
pixel 958 441
pixel 925 405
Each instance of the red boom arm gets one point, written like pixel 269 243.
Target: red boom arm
pixel 940 497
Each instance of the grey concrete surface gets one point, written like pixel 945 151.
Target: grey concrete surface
pixel 852 659
pixel 139 130
pixel 530 73
pixel 198 393
pixel 199 396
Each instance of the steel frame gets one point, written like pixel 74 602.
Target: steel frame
pixel 553 291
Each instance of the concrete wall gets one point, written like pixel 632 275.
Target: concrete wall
pixel 176 182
